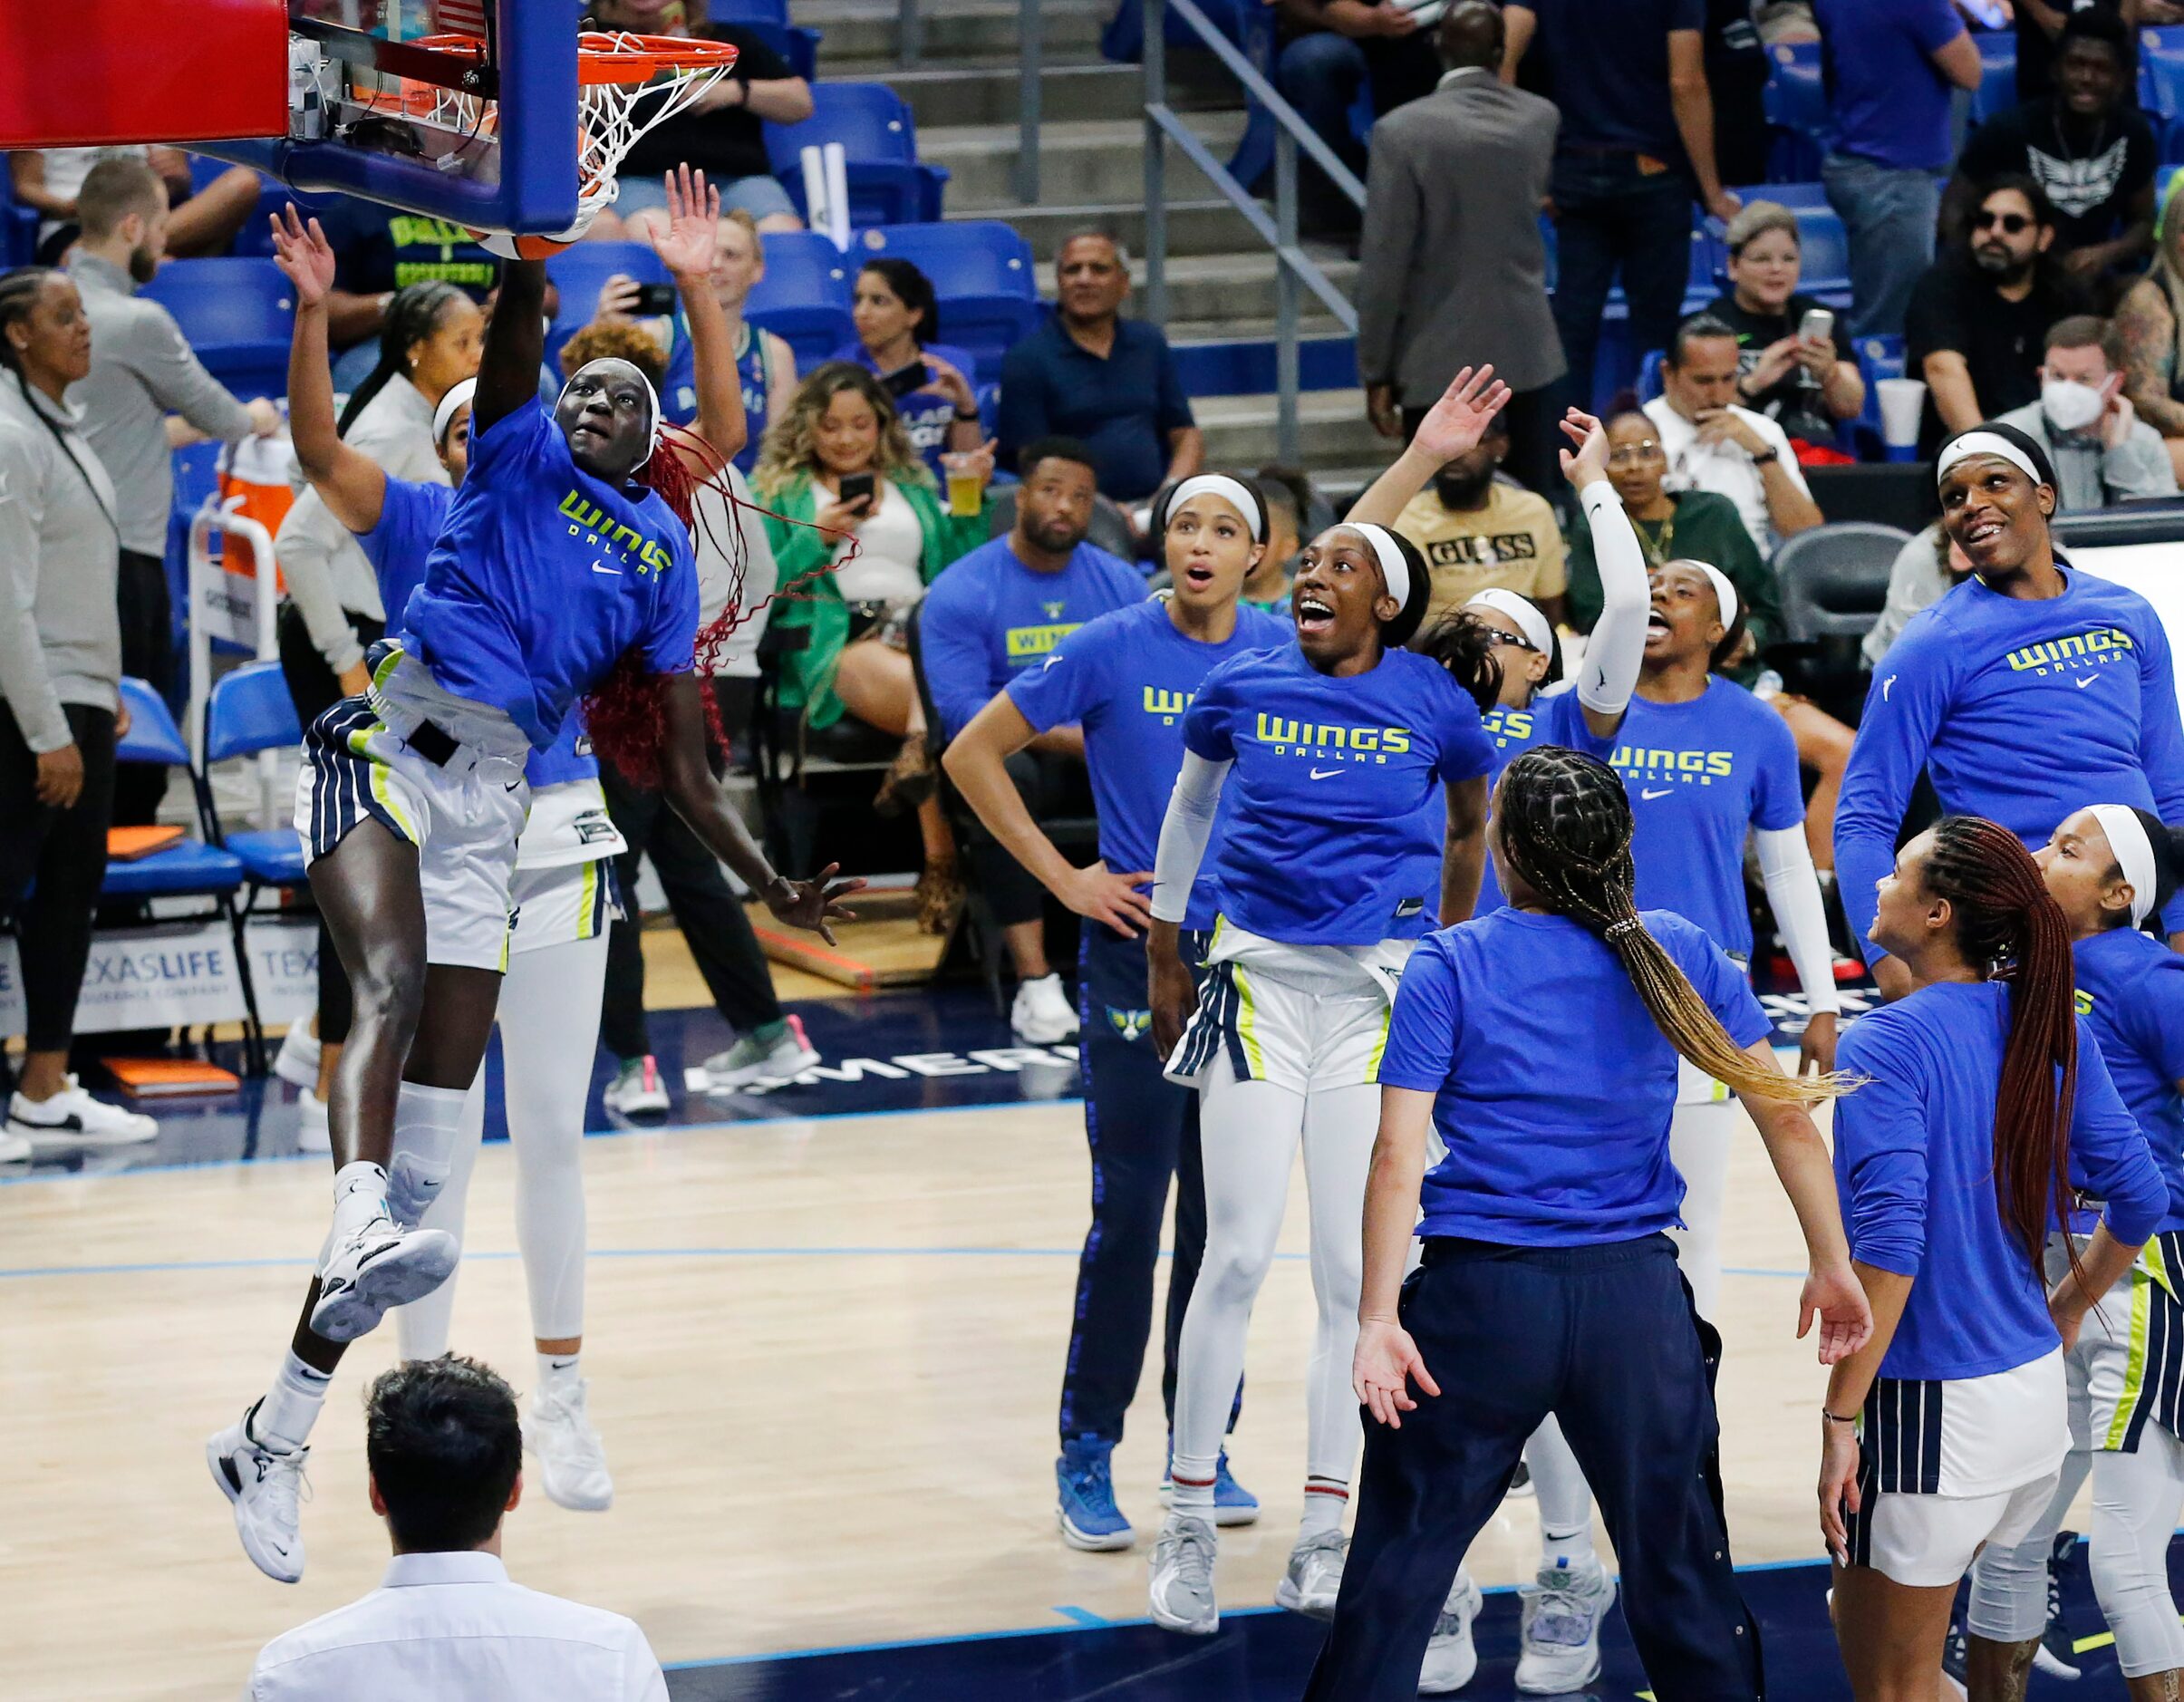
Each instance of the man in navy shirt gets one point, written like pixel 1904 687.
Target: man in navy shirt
pixel 989 616
pixel 1091 374
pixel 1636 146
pixel 1889 66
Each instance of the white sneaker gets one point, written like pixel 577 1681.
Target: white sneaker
pixel 378 1265
pixel 267 1487
pixel 1043 1014
pixel 71 1118
pixel 1451 1657
pixel 1315 1575
pixel 1183 1577
pixel 314 1133
pixel 636 1090
pixel 1559 1645
pixel 14 1149
pixel 572 1464
pixel 749 1063
pixel 297 1061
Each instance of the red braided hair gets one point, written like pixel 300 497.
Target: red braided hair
pixel 2010 929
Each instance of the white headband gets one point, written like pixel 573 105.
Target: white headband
pixel 1229 491
pixel 1971 443
pixel 2134 856
pixel 1725 594
pixel 1524 611
pixel 443 416
pixel 651 397
pixel 1393 569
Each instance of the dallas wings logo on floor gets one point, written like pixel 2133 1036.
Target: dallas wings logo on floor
pixel 1325 741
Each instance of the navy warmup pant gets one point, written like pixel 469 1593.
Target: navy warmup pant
pixel 1604 1338
pixel 1143 1131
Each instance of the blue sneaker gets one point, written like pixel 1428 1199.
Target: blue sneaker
pixel 1085 1486
pixel 1233 1503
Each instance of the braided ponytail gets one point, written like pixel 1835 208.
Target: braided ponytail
pixel 2009 928
pixel 1565 826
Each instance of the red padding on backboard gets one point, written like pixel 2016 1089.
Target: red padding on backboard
pixel 139 70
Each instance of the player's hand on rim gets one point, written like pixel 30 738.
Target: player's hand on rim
pixel 303 255
pixel 1386 1362
pixel 811 904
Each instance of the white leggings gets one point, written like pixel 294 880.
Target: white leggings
pixel 1698 1143
pixel 2137 1499
pixel 1249 1132
pixel 549 1034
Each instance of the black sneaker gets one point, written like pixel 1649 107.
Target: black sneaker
pixel 2056 1657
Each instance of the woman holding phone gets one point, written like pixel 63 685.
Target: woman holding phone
pixel 931 384
pixel 1794 363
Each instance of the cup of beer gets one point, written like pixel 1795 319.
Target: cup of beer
pixel 966 483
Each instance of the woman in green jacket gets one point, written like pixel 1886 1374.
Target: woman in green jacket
pixel 841 426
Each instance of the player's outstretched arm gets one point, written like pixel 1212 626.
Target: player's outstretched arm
pixel 686 249
pixel 688 783
pixel 352 484
pixel 508 375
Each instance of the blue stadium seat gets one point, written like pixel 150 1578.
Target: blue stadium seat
pixel 888 186
pixel 803 295
pixel 581 271
pixel 2161 54
pixel 1798 121
pixel 1997 89
pixel 768 20
pixel 982 271
pixel 19 227
pixel 1878 358
pixel 238 314
pixel 250 710
pixel 1649 375
pixel 186 869
pixel 1788 194
pixel 1824 257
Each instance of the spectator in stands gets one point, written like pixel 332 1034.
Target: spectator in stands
pixel 933 383
pixel 1803 384
pixel 1290 503
pixel 1108 382
pixel 2102 452
pixel 1890 67
pixel 2040 22
pixel 1477 529
pixel 445 1451
pixel 765 363
pixel 1925 570
pixel 720 134
pixel 842 426
pixel 1673 525
pixel 202 221
pixel 1979 317
pixel 1453 268
pixel 431 340
pixel 1715 444
pixel 2088 145
pixel 142 370
pixel 1000 610
pixel 380 251
pixel 1330 50
pixel 1635 145
pixel 2151 323
pixel 1737 71
pixel 59 701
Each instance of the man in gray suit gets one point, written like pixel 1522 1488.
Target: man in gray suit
pixel 1453 269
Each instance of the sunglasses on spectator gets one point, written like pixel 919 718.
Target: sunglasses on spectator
pixel 2009 224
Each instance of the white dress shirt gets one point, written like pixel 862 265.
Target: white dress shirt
pixel 1725 469
pixel 451 1628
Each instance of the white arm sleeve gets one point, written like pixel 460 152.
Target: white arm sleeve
pixel 1184 833
pixel 1785 868
pixel 1616 649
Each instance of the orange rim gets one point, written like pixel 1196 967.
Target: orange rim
pixel 605 57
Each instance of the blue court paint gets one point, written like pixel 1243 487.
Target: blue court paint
pixel 1262 1654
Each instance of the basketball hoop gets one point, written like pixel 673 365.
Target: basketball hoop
pixel 626 84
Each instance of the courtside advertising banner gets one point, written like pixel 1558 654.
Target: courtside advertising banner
pixel 181 974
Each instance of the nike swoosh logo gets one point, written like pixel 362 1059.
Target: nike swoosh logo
pixel 615 571
pixel 1887 686
pixel 2087 681
pixel 1662 793
pixel 1321 774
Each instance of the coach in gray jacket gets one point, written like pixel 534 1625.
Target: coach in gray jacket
pixel 1453 268
pixel 142 371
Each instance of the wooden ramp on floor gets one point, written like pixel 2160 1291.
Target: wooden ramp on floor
pixel 882 947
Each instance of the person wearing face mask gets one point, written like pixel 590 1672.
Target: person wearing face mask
pixel 2103 452
pixel 1478 530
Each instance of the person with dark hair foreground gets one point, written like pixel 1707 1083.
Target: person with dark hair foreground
pixel 562 573
pixel 2028 686
pixel 934 384
pixel 446 1624
pixel 1349 775
pixel 2108 868
pixel 1549 1286
pixel 1984 1112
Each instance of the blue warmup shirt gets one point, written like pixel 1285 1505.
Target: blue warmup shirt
pixel 1489 1016
pixel 411 517
pixel 987 618
pixel 2130 992
pixel 1914 1169
pixel 679 384
pixel 1701 775
pixel 1334 836
pixel 545 575
pixel 1127 678
pixel 1559 720
pixel 926 414
pixel 1887 98
pixel 2021 712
